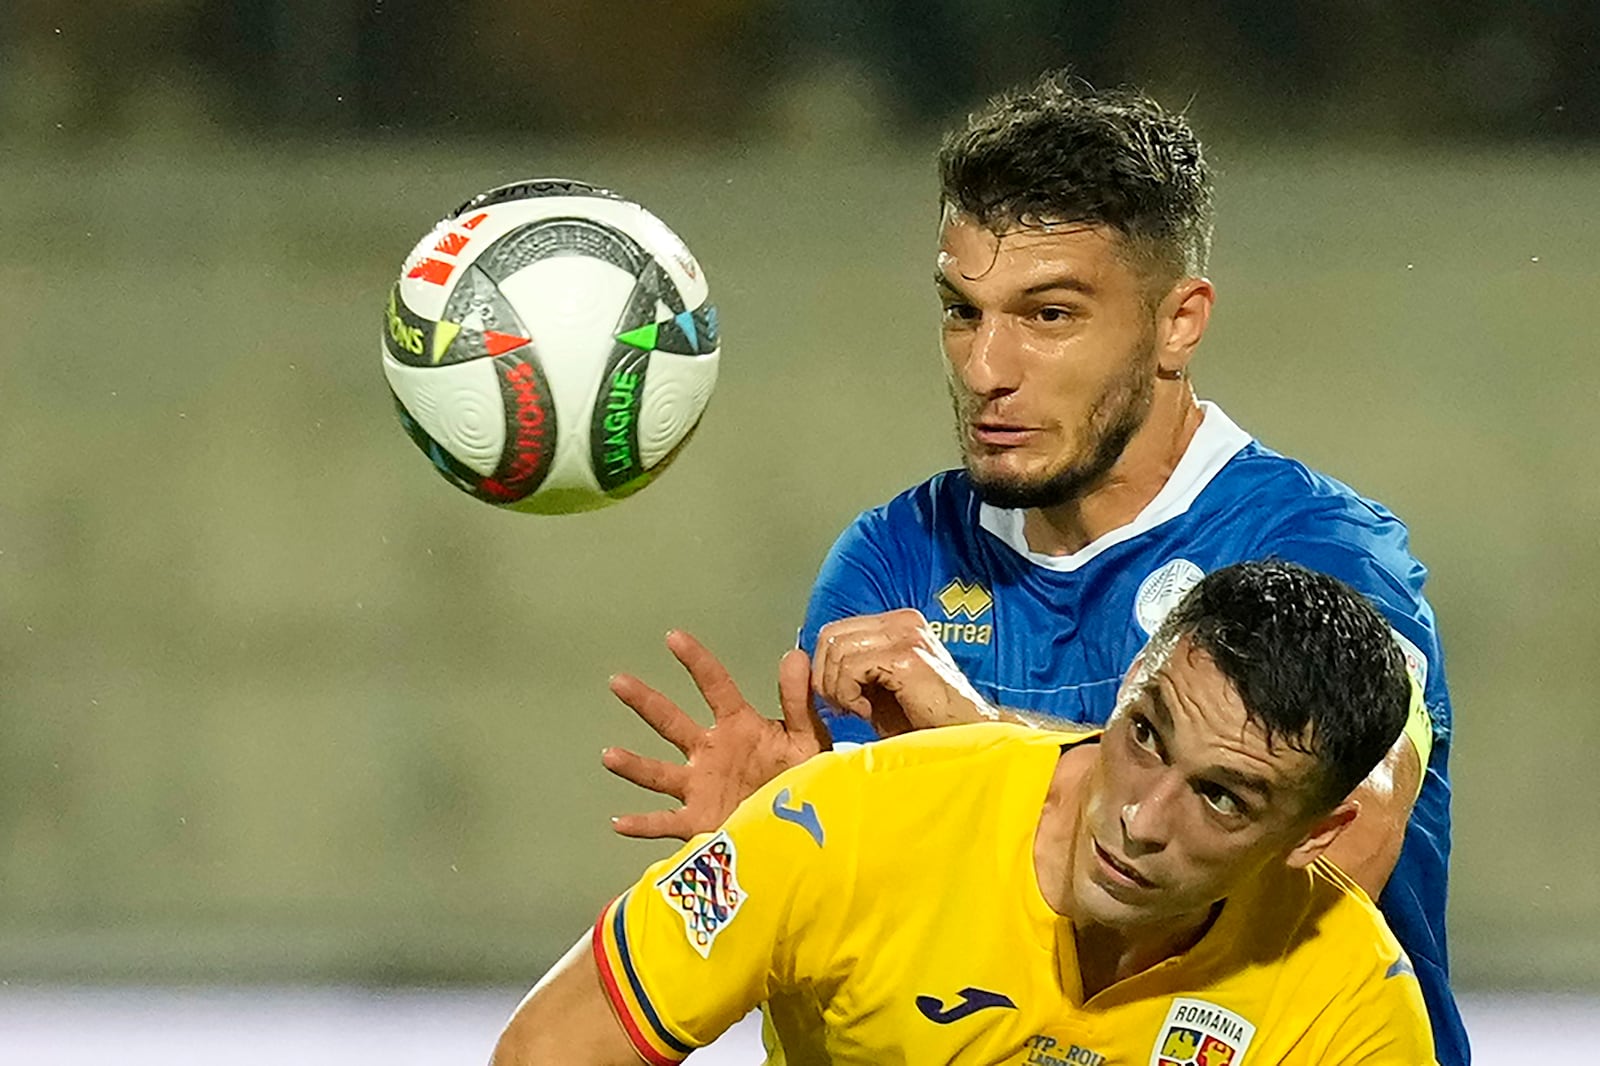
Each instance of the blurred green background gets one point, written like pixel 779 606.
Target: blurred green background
pixel 276 703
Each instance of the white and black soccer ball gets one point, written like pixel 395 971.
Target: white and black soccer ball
pixel 550 346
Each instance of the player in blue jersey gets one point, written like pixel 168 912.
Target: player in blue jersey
pixel 1096 489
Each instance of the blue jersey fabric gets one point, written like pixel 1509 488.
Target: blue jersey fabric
pixel 1055 634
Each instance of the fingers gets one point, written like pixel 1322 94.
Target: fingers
pixel 710 676
pixel 657 776
pixel 892 670
pixel 853 653
pixel 800 716
pixel 829 676
pixel 653 774
pixel 654 825
pixel 658 712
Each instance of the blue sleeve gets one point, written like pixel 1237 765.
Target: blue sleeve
pixel 857 577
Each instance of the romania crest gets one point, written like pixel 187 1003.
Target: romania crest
pixel 1198 1033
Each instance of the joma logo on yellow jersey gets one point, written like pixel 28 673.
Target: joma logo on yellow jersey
pixel 959 599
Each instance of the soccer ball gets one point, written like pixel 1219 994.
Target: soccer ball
pixel 550 346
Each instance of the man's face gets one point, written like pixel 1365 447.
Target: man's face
pixel 1186 802
pixel 1050 337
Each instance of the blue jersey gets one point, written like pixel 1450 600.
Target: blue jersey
pixel 1055 634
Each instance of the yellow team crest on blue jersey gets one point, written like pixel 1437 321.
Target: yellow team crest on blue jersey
pixel 959 599
pixel 963 605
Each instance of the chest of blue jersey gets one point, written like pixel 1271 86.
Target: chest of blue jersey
pixel 1059 641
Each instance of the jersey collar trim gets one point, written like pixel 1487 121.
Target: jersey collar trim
pixel 1216 442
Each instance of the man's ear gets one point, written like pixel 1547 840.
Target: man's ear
pixel 1184 315
pixel 1324 832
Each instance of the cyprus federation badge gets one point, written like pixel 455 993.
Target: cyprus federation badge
pixel 1198 1033
pixel 704 890
pixel 1160 592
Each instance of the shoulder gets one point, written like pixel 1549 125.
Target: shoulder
pixel 968 771
pixel 1253 502
pixel 957 751
pixel 1375 1007
pixel 875 564
pixel 1350 912
pixel 1327 941
pixel 1307 517
pixel 1335 931
pixel 943 500
pixel 1262 478
pixel 851 816
pixel 1304 516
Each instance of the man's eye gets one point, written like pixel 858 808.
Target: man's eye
pixel 1054 314
pixel 1144 733
pixel 1222 801
pixel 960 312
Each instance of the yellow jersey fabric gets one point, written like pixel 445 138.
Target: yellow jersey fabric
pixel 883 903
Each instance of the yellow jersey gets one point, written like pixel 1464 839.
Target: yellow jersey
pixel 883 903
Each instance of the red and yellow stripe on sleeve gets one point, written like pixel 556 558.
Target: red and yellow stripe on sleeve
pixel 620 978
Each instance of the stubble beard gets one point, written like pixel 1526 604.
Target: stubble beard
pixel 1114 417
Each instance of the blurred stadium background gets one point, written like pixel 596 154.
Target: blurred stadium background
pixel 299 746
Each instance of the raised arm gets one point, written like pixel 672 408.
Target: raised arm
pixel 566 1020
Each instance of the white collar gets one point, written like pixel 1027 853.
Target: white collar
pixel 1216 441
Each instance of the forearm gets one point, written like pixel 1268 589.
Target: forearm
pixel 1032 719
pixel 566 1020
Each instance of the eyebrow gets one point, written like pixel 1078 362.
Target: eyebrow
pixel 1247 782
pixel 1068 282
pixel 1161 715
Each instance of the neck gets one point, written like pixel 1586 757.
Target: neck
pixel 1106 954
pixel 1132 482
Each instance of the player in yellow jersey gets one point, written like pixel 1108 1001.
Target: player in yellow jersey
pixel 1153 895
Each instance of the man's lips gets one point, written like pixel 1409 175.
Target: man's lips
pixel 1119 870
pixel 1001 434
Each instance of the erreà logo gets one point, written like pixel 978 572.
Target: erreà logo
pixel 959 598
pixel 1198 1033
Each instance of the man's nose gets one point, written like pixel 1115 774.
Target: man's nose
pixel 1147 819
pixel 991 365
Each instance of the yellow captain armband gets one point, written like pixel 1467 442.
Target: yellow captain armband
pixel 1419 729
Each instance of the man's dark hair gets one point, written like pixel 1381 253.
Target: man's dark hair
pixel 1313 661
pixel 1059 151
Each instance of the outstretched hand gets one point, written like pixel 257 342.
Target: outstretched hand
pixel 741 750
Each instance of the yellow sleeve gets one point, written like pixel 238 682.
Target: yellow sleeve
pixel 1383 1024
pixel 707 934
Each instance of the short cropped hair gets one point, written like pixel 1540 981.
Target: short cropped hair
pixel 1312 659
pixel 1060 151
